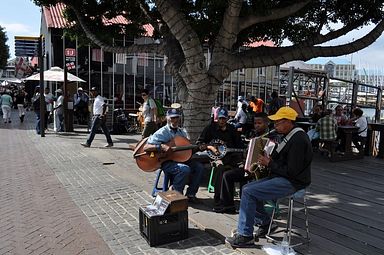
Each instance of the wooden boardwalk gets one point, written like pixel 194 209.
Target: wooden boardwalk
pixel 346 207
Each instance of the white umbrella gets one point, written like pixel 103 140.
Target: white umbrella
pixel 54 74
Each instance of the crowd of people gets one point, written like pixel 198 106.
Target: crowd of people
pixel 328 123
pixel 14 98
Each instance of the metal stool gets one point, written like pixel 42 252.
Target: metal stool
pixel 288 230
pixel 166 182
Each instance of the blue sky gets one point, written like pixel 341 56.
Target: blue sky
pixel 22 17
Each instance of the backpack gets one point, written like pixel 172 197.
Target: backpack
pixel 160 108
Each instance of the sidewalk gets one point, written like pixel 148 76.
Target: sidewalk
pixel 60 198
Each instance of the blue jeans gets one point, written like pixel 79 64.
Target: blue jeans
pixel 254 195
pixel 182 172
pixel 38 122
pixel 96 123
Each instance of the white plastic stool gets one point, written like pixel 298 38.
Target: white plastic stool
pixel 288 230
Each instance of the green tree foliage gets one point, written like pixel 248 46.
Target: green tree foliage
pixel 4 49
pixel 186 28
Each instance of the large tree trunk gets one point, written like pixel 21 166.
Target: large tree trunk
pixel 197 106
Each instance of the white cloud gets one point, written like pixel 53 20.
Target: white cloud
pixel 16 28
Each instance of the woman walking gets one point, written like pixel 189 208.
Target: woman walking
pixel 6 106
pixel 20 100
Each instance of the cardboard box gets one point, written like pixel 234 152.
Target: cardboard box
pixel 177 201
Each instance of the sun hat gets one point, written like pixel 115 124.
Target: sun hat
pixel 284 113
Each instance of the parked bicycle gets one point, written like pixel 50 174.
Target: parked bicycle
pixel 125 124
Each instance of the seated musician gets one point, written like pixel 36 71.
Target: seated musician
pixel 226 204
pixel 290 171
pixel 227 133
pixel 359 139
pixel 191 170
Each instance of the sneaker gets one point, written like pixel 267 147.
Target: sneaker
pixel 85 145
pixel 240 241
pixel 260 232
pixel 108 145
pixel 263 230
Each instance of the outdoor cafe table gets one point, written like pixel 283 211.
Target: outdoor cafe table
pixel 348 132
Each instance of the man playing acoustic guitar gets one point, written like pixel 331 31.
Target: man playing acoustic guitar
pixel 180 173
pixel 225 132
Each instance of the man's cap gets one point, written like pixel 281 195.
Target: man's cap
pixel 93 89
pixel 284 113
pixel 171 113
pixel 80 88
pixel 240 98
pixel 59 91
pixel 223 113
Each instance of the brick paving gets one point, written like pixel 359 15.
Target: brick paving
pixel 57 197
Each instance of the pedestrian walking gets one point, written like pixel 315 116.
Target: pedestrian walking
pixel 20 100
pixel 98 119
pixel 36 108
pixel 6 106
pixel 149 113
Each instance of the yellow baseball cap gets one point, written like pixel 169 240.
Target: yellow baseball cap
pixel 284 113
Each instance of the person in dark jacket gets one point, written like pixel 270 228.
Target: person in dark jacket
pixel 290 171
pixel 225 132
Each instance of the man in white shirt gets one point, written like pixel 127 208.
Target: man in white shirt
pixel 59 111
pixel 360 138
pixel 98 119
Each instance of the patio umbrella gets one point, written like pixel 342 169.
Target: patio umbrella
pixel 55 74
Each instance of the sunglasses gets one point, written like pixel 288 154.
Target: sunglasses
pixel 143 95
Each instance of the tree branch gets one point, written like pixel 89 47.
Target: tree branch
pixel 319 38
pixel 229 30
pixel 184 34
pixel 277 13
pixel 269 56
pixel 154 48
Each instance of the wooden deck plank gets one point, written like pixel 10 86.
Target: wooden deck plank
pixel 346 201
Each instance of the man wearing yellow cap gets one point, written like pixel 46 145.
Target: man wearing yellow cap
pixel 290 170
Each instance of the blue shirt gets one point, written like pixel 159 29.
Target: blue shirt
pixel 165 134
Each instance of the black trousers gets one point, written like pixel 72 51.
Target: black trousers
pixel 228 185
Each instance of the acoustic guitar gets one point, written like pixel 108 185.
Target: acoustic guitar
pixel 180 151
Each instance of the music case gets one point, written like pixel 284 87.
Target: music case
pixel 177 201
pixel 162 229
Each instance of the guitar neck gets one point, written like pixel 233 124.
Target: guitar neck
pixel 234 150
pixel 183 148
